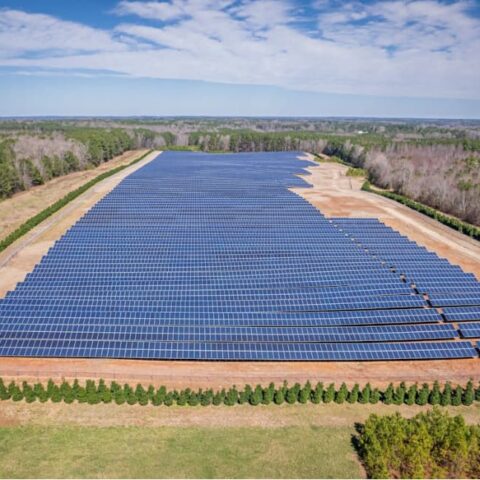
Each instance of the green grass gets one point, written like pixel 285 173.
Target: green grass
pixel 139 452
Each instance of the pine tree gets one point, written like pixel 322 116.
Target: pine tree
pixel 182 398
pixel 388 395
pixel 56 395
pixel 457 397
pixel 106 396
pixel 268 394
pixel 4 393
pixel 468 394
pixel 28 393
pixel 342 394
pixel 231 398
pixel 142 397
pixel 194 399
pixel 423 394
pixel 243 397
pixel 119 396
pixel 305 393
pixel 317 394
pixel 446 395
pixel 50 388
pixel 206 398
pixel 150 393
pixel 16 393
pixel 411 395
pixel 329 394
pixel 168 402
pixel 159 396
pixel 131 397
pixel 375 396
pixel 435 396
pixel 219 397
pixel 477 393
pixel 353 395
pixel 91 389
pixel 40 392
pixel 279 397
pixel 365 394
pixel 292 394
pixel 399 395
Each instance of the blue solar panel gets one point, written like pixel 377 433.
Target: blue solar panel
pixel 470 330
pixel 201 256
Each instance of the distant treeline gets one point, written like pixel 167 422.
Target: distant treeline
pixel 434 165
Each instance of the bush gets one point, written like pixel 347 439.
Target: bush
pixel 356 172
pixel 431 444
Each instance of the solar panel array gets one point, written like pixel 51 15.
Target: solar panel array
pixel 198 256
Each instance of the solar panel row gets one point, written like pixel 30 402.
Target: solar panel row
pixel 199 256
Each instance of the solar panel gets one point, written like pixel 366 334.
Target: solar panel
pixel 213 257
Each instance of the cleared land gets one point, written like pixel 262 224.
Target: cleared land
pixel 336 195
pixel 290 441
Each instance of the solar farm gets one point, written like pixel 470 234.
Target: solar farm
pixel 212 257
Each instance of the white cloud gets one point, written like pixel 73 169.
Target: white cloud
pixel 22 32
pixel 254 42
pixel 153 10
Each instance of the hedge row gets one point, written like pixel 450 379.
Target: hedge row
pixel 55 207
pixel 451 222
pixel 93 393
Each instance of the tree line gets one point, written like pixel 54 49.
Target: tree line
pixel 100 392
pixel 441 170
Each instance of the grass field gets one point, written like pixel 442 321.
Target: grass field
pixel 43 440
pixel 146 452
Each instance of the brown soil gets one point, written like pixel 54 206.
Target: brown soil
pixel 336 195
pixel 182 374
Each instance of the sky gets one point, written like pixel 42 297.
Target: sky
pixel 367 58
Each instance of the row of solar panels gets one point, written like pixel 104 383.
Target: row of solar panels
pixel 212 257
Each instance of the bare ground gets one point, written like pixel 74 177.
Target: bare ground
pixel 335 195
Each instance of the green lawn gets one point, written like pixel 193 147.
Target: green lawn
pixel 145 452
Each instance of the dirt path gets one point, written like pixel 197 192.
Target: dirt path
pixel 20 258
pixel 337 195
pixel 202 374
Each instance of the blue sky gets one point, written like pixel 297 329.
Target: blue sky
pixel 240 57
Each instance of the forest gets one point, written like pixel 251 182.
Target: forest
pixel 436 162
